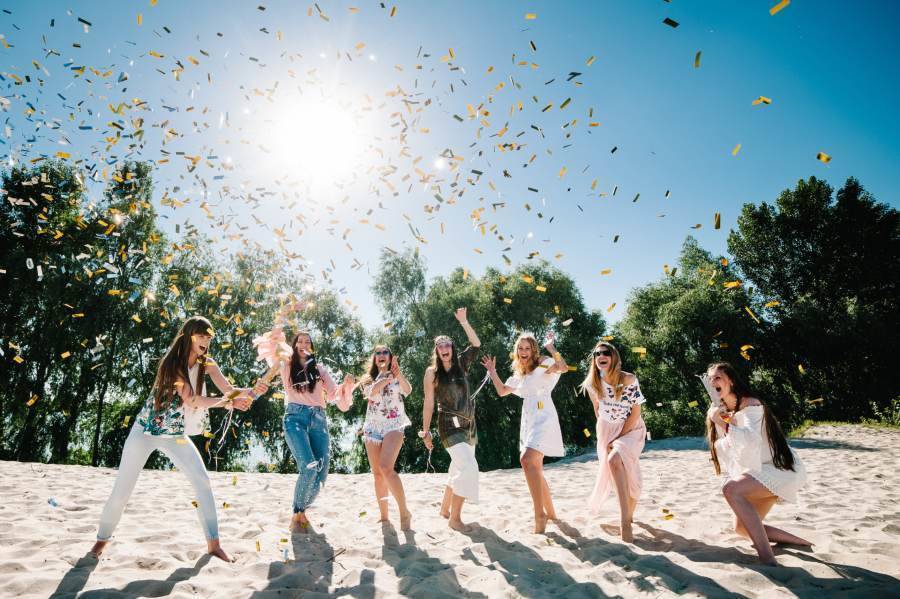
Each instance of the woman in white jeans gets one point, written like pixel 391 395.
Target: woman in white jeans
pixel 175 410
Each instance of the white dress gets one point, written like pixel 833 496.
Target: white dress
pixel 745 449
pixel 539 429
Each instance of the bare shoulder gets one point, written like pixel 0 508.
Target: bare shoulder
pixel 749 402
pixel 628 378
pixel 429 372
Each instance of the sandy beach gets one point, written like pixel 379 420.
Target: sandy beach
pixel 849 510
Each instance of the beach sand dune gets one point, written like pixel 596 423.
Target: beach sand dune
pixel 849 510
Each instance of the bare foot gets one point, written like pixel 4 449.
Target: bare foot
pixel 627 535
pixel 406 520
pixel 300 523
pixel 458 526
pixel 540 524
pixel 445 515
pixel 98 547
pixel 215 549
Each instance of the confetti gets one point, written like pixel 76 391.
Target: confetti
pixel 258 547
pixel 587 433
pixel 194 503
pixel 697 60
pixel 530 16
pixel 540 405
pixel 692 404
pixel 778 7
pixel 823 157
pixel 762 100
pixel 670 22
pixel 736 149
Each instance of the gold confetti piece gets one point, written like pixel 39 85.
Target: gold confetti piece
pixel 771 304
pixel 506 300
pixel 31 401
pixel 226 505
pixel 731 284
pixel 587 433
pixel 540 288
pixel 194 503
pixel 362 513
pixel 234 480
pixel 606 271
pixel 393 11
pixel 530 16
pixel 528 279
pixel 282 540
pixel 140 19
pixel 752 315
pixel 65 355
pixel 611 307
pixel 540 405
pixel 778 7
pixel 591 60
pixel 801 369
pixel 668 516
pixel 692 404
pixel 762 100
pixel 18 359
pixel 639 350
pixel 697 60
pixel 717 223
pixel 63 155
pixel 736 149
pixel 257 546
pixel 823 157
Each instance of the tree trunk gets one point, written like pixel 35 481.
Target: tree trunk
pixel 95 449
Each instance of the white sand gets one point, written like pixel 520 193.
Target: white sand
pixel 849 510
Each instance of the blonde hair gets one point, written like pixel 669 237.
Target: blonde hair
pixel 518 366
pixel 615 376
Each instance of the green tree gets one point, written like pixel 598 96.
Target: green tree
pixel 832 264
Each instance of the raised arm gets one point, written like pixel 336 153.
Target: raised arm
pixel 461 316
pixel 559 364
pixel 427 407
pixel 239 395
pixel 490 363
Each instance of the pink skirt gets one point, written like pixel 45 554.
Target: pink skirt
pixel 629 447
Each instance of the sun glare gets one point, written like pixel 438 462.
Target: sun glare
pixel 318 143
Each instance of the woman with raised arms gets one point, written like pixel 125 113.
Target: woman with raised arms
pixel 534 377
pixel 445 384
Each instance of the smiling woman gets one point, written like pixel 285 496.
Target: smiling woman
pixel 320 142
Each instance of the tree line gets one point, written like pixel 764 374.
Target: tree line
pixel 91 292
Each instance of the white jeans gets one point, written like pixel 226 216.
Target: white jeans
pixel 186 458
pixel 463 471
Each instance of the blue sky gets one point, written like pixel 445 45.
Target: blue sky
pixel 252 101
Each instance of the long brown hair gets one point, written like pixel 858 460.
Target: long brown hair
pixel 437 364
pixel 782 457
pixel 373 367
pixel 173 367
pixel 304 374
pixel 518 366
pixel 615 376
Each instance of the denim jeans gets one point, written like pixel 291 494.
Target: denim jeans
pixel 306 433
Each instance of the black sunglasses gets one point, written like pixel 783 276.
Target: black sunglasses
pixel 602 352
pixel 383 352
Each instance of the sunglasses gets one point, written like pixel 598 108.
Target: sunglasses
pixel 383 352
pixel 602 352
pixel 443 345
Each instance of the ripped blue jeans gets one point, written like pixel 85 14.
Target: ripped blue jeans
pixel 306 433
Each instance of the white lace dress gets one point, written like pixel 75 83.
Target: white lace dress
pixel 745 449
pixel 539 428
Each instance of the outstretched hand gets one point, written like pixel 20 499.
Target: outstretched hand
pixel 461 315
pixel 490 363
pixel 395 367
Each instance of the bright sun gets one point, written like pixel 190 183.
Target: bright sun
pixel 318 143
